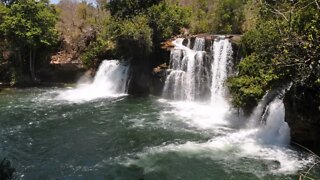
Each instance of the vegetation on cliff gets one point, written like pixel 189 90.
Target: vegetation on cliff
pixel 282 48
pixel 137 34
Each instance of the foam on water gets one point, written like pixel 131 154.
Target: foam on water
pixel 232 146
pixel 199 115
pixel 264 142
pixel 264 136
pixel 111 80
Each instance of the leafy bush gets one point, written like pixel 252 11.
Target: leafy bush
pixel 97 50
pixel 229 16
pixel 133 37
pixel 129 8
pixel 252 82
pixel 167 20
pixel 282 48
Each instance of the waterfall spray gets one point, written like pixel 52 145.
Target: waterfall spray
pixel 111 80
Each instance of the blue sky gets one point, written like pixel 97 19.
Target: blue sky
pixel 57 1
pixel 54 1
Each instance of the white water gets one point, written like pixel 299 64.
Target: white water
pixel 196 74
pixel 229 146
pixel 185 79
pixel 222 52
pixel 264 135
pixel 111 80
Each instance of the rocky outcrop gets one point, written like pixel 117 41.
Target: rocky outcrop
pixel 302 106
pixel 158 79
pixel 61 73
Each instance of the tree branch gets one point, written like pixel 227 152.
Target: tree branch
pixel 316 1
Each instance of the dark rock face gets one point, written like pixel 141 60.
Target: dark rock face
pixel 140 78
pixel 61 73
pixel 302 106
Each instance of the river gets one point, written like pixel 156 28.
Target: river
pixel 97 131
pixel 133 138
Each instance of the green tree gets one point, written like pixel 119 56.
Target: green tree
pixel 167 20
pixel 129 8
pixel 229 17
pixel 133 37
pixel 28 26
pixel 283 48
pixel 203 15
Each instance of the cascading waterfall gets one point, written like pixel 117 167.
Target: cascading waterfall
pixel 274 129
pixel 195 73
pixel 112 77
pixel 199 44
pixel 111 80
pixel 199 75
pixel 189 71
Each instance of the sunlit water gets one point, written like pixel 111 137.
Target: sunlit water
pixel 137 138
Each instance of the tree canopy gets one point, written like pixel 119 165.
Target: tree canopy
pixel 28 25
pixel 283 48
pixel 129 8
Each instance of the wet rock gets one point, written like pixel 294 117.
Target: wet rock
pixel 168 45
pixel 303 116
pixel 158 79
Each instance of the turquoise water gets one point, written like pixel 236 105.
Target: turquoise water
pixel 128 137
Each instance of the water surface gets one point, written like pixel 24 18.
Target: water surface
pixel 123 137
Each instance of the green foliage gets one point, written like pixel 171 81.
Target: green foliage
pixel 246 91
pixel 253 80
pixel 3 12
pixel 229 16
pixel 167 20
pixel 133 36
pixel 98 49
pixel 129 8
pixel 135 33
pixel 27 26
pixel 30 23
pixel 218 16
pixel 266 34
pixel 282 48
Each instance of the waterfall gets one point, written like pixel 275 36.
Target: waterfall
pixel 275 130
pixel 111 77
pixel 111 80
pixel 196 74
pixel 188 72
pixel 222 51
pixel 199 44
